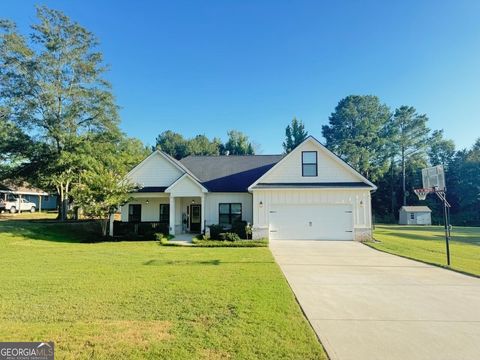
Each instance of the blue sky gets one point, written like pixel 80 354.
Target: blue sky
pixel 204 67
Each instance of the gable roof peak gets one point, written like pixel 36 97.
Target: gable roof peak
pixel 328 152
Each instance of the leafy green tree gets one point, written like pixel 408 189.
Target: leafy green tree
pixel 201 145
pixel 441 151
pixel 357 132
pixel 463 186
pixel 15 147
pixel 173 144
pixel 295 134
pixel 104 161
pixel 238 144
pixel 179 147
pixel 409 135
pixel 100 192
pixel 51 84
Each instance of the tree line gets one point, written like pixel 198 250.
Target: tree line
pixel 59 129
pixel 391 147
pixel 179 147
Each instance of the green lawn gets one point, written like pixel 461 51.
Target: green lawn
pixel 141 300
pixel 427 243
pixel 39 215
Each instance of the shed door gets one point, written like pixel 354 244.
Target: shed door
pixel 422 218
pixel 311 222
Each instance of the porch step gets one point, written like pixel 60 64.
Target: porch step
pixel 183 239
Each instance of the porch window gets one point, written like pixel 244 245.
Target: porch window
pixel 229 213
pixel 412 216
pixel 134 213
pixel 164 213
pixel 309 163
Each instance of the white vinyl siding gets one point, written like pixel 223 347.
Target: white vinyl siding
pixel 155 171
pixel 290 169
pixel 150 210
pixel 185 186
pixel 212 201
pixel 414 218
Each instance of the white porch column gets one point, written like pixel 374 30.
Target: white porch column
pixel 172 216
pixel 202 213
pixel 111 219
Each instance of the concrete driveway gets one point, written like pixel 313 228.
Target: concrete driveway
pixel 365 304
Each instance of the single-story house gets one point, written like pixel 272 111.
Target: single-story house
pixel 308 194
pixel 42 199
pixel 415 215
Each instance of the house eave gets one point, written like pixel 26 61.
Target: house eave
pixel 310 186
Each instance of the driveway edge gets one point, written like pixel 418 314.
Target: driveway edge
pixel 301 308
pixel 445 267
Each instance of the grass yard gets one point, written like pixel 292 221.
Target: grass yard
pixel 427 243
pixel 39 215
pixel 141 300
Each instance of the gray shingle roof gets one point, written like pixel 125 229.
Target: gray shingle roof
pixel 416 209
pixel 233 173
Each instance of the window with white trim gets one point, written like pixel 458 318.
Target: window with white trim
pixel 309 163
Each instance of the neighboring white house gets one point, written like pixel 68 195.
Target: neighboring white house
pixel 415 215
pixel 308 194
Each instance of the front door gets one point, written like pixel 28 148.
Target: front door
pixel 195 217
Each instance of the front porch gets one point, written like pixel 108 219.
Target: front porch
pixel 181 206
pixel 180 214
pixel 186 215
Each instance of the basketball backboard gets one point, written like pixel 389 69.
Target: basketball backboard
pixel 434 178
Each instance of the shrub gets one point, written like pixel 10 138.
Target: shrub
pixel 163 238
pixel 159 236
pixel 241 243
pixel 215 231
pixel 230 236
pixel 238 227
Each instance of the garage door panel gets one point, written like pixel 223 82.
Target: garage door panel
pixel 311 222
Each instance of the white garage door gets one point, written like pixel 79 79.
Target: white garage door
pixel 311 222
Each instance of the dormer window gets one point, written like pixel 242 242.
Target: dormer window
pixel 309 163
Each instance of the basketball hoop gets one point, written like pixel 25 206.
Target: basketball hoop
pixel 433 181
pixel 422 193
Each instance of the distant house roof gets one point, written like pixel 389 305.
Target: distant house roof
pixel 20 188
pixel 232 173
pixel 415 209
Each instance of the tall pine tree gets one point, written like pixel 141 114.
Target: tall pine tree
pixel 295 134
pixel 357 132
pixel 409 135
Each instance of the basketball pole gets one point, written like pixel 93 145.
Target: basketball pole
pixel 442 195
pixel 433 180
pixel 446 218
pixel 447 228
